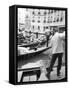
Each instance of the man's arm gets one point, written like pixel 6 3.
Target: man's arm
pixel 50 43
pixel 62 35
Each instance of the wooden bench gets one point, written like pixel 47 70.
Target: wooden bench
pixel 29 72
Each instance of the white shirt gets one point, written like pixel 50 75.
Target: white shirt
pixel 57 43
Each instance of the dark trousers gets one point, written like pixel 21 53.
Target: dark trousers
pixel 47 40
pixel 47 43
pixel 54 57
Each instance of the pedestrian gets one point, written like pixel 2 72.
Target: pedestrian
pixel 47 36
pixel 57 51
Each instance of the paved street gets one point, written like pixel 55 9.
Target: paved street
pixel 42 61
pixel 53 75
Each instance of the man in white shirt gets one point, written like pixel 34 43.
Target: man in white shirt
pixel 57 51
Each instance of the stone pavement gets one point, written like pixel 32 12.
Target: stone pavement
pixel 53 75
pixel 43 61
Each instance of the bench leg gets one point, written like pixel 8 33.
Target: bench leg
pixel 22 78
pixel 38 75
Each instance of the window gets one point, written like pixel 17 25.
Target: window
pixel 45 13
pixel 33 26
pixel 33 12
pixel 44 28
pixel 33 20
pixel 61 19
pixel 44 21
pixel 38 13
pixel 38 27
pixel 58 19
pixel 38 21
pixel 51 11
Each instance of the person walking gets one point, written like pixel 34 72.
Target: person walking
pixel 47 34
pixel 57 51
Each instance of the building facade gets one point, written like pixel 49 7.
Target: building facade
pixel 40 20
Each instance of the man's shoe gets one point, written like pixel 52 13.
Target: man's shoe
pixel 48 76
pixel 58 73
